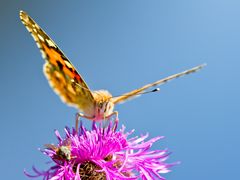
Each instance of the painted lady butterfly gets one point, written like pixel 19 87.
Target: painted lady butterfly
pixel 69 84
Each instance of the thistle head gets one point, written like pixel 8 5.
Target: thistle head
pixel 105 153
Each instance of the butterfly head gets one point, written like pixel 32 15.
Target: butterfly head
pixel 104 105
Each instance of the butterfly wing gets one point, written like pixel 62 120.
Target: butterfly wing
pixel 61 74
pixel 138 92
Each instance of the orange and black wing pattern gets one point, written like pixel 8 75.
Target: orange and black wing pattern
pixel 60 72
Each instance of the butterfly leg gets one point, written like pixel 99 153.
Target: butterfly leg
pixel 77 121
pixel 78 115
pixel 116 119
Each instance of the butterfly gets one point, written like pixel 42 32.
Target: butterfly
pixel 70 85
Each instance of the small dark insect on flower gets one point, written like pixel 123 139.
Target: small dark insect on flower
pixel 62 152
pixel 104 153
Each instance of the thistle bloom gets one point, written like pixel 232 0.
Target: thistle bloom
pixel 103 154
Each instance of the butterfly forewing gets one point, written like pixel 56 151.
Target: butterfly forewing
pixel 60 72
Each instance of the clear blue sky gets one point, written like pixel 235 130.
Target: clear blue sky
pixel 120 46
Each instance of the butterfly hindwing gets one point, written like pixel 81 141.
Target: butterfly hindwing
pixel 59 71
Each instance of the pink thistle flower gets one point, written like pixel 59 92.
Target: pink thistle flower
pixel 104 154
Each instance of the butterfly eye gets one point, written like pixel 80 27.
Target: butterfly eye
pixel 100 105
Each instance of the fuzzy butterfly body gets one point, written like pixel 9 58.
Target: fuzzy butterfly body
pixel 69 84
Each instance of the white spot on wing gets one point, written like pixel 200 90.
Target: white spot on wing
pixel 50 43
pixel 43 54
pixel 68 64
pixel 38 45
pixel 40 37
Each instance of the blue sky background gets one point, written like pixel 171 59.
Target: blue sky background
pixel 120 46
